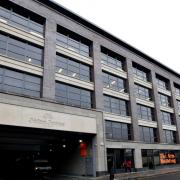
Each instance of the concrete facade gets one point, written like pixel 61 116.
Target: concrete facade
pixel 46 113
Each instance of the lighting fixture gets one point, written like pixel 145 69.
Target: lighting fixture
pixel 113 82
pixel 80 140
pixel 64 146
pixel 74 74
pixel 60 70
pixel 29 59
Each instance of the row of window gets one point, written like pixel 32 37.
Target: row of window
pixel 20 50
pixel 29 21
pixel 122 131
pixel 22 19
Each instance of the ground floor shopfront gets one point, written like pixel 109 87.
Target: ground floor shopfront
pixel 142 156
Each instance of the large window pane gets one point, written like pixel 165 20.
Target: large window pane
pixel 19 82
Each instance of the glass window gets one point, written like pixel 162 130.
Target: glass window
pixel 162 83
pixel 164 100
pixel 113 82
pixel 21 50
pixel 117 131
pixel 148 134
pixel 144 112
pixel 24 22
pixel 69 67
pixel 167 118
pixel 142 92
pixel 73 96
pixel 114 105
pixel 19 82
pixel 177 91
pixel 178 104
pixel 114 62
pixel 72 44
pixel 140 73
pixel 169 136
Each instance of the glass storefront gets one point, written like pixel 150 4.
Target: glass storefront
pixel 152 159
pixel 116 158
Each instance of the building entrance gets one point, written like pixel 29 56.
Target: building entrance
pixel 28 152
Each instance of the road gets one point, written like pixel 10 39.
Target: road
pixel 170 176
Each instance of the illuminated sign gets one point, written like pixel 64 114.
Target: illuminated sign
pixel 167 158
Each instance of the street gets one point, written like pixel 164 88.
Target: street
pixel 170 176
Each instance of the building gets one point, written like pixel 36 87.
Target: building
pixel 80 97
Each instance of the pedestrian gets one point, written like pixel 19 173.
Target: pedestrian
pixel 127 164
pixel 111 177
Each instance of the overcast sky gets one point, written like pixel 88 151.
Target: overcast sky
pixel 152 26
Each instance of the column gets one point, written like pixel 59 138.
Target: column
pixel 97 76
pixel 157 107
pixel 133 105
pixel 49 60
pixel 137 158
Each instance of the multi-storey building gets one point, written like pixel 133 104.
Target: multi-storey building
pixel 76 95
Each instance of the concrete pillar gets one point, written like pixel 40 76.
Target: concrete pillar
pixel 98 81
pixel 176 111
pixel 133 105
pixel 138 158
pixel 157 107
pixel 99 147
pixel 49 60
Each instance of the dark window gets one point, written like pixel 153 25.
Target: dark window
pixel 177 90
pixel 69 67
pixel 148 134
pixel 140 72
pixel 164 100
pixel 178 104
pixel 117 131
pixel 20 50
pixel 167 118
pixel 22 18
pixel 114 105
pixel 144 112
pixel 169 136
pixel 73 41
pixel 113 82
pixel 142 92
pixel 19 82
pixel 70 95
pixel 162 83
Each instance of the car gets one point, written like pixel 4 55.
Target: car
pixel 42 166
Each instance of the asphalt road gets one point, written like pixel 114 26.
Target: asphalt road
pixel 170 176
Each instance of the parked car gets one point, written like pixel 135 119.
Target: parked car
pixel 42 166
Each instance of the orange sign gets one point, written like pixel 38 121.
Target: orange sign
pixel 83 149
pixel 167 158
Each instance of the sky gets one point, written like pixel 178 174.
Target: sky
pixel 152 26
